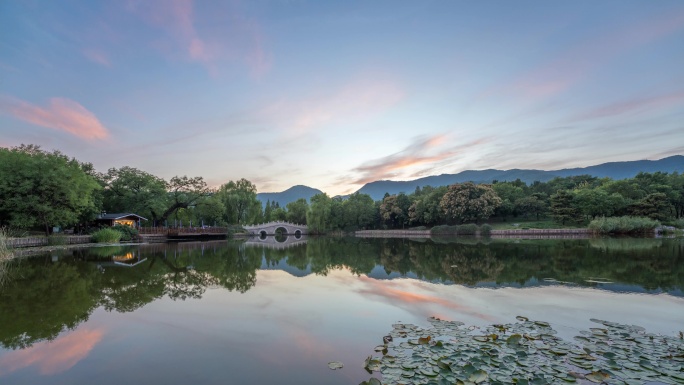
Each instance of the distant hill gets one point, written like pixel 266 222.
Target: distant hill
pixel 289 195
pixel 614 170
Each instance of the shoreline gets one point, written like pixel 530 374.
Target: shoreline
pixel 551 233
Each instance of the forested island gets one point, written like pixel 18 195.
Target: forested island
pixel 42 190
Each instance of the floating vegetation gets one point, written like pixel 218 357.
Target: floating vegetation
pixel 335 365
pixel 526 353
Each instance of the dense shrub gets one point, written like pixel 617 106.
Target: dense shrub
pixel 679 223
pixel 623 225
pixel 443 229
pixel 485 230
pixel 128 233
pixel 469 229
pixel 106 235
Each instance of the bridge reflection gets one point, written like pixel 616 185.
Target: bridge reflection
pixel 277 242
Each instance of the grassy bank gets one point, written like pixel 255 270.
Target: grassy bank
pixel 532 224
pixel 623 225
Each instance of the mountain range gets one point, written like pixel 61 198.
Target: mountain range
pixel 377 189
pixel 289 195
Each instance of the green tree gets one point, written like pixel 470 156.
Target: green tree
pixel 531 205
pixel 425 208
pixel 509 192
pixel 563 208
pixel 239 198
pixel 296 211
pixel 394 210
pixel 358 211
pixel 319 216
pixel 39 188
pixel 210 211
pixel 597 202
pixel 184 192
pixel 268 210
pixel 468 201
pixel 279 214
pixel 654 206
pixel 129 190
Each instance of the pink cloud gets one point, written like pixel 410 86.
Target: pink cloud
pixel 53 356
pixel 227 34
pixel 357 100
pixel 61 114
pixel 406 295
pixel 574 65
pixel 97 56
pixel 633 106
pixel 424 151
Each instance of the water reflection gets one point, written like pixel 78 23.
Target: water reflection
pixel 54 293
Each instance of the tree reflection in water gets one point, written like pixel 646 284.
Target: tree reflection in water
pixel 53 293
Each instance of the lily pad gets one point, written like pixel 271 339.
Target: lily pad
pixel 334 365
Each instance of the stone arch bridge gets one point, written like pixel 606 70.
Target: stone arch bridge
pixel 271 228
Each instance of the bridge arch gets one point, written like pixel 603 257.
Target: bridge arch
pixel 271 228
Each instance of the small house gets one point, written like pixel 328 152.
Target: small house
pixel 125 219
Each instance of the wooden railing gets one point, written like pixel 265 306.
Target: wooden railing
pixel 43 241
pixel 182 230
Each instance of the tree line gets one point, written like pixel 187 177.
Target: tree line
pixel 41 190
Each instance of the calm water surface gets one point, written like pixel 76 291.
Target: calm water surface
pixel 240 312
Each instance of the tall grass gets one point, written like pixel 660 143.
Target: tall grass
pixel 5 257
pixel 623 225
pixel 106 235
pixel 5 252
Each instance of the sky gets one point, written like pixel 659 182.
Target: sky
pixel 336 94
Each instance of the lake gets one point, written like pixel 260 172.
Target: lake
pixel 249 312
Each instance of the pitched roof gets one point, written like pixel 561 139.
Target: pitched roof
pixel 119 216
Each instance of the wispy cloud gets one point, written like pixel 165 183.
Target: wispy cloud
pixel 236 37
pixel 97 56
pixel 424 151
pixel 576 63
pixel 357 100
pixel 633 106
pixel 60 114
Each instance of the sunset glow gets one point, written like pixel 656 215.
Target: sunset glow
pixel 334 95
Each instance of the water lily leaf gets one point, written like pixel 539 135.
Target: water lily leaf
pixel 542 323
pixel 521 318
pixel 335 365
pixel 597 377
pixel 514 339
pixel 371 381
pixel 478 376
pixel 428 372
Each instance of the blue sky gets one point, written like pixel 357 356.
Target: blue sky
pixel 336 94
